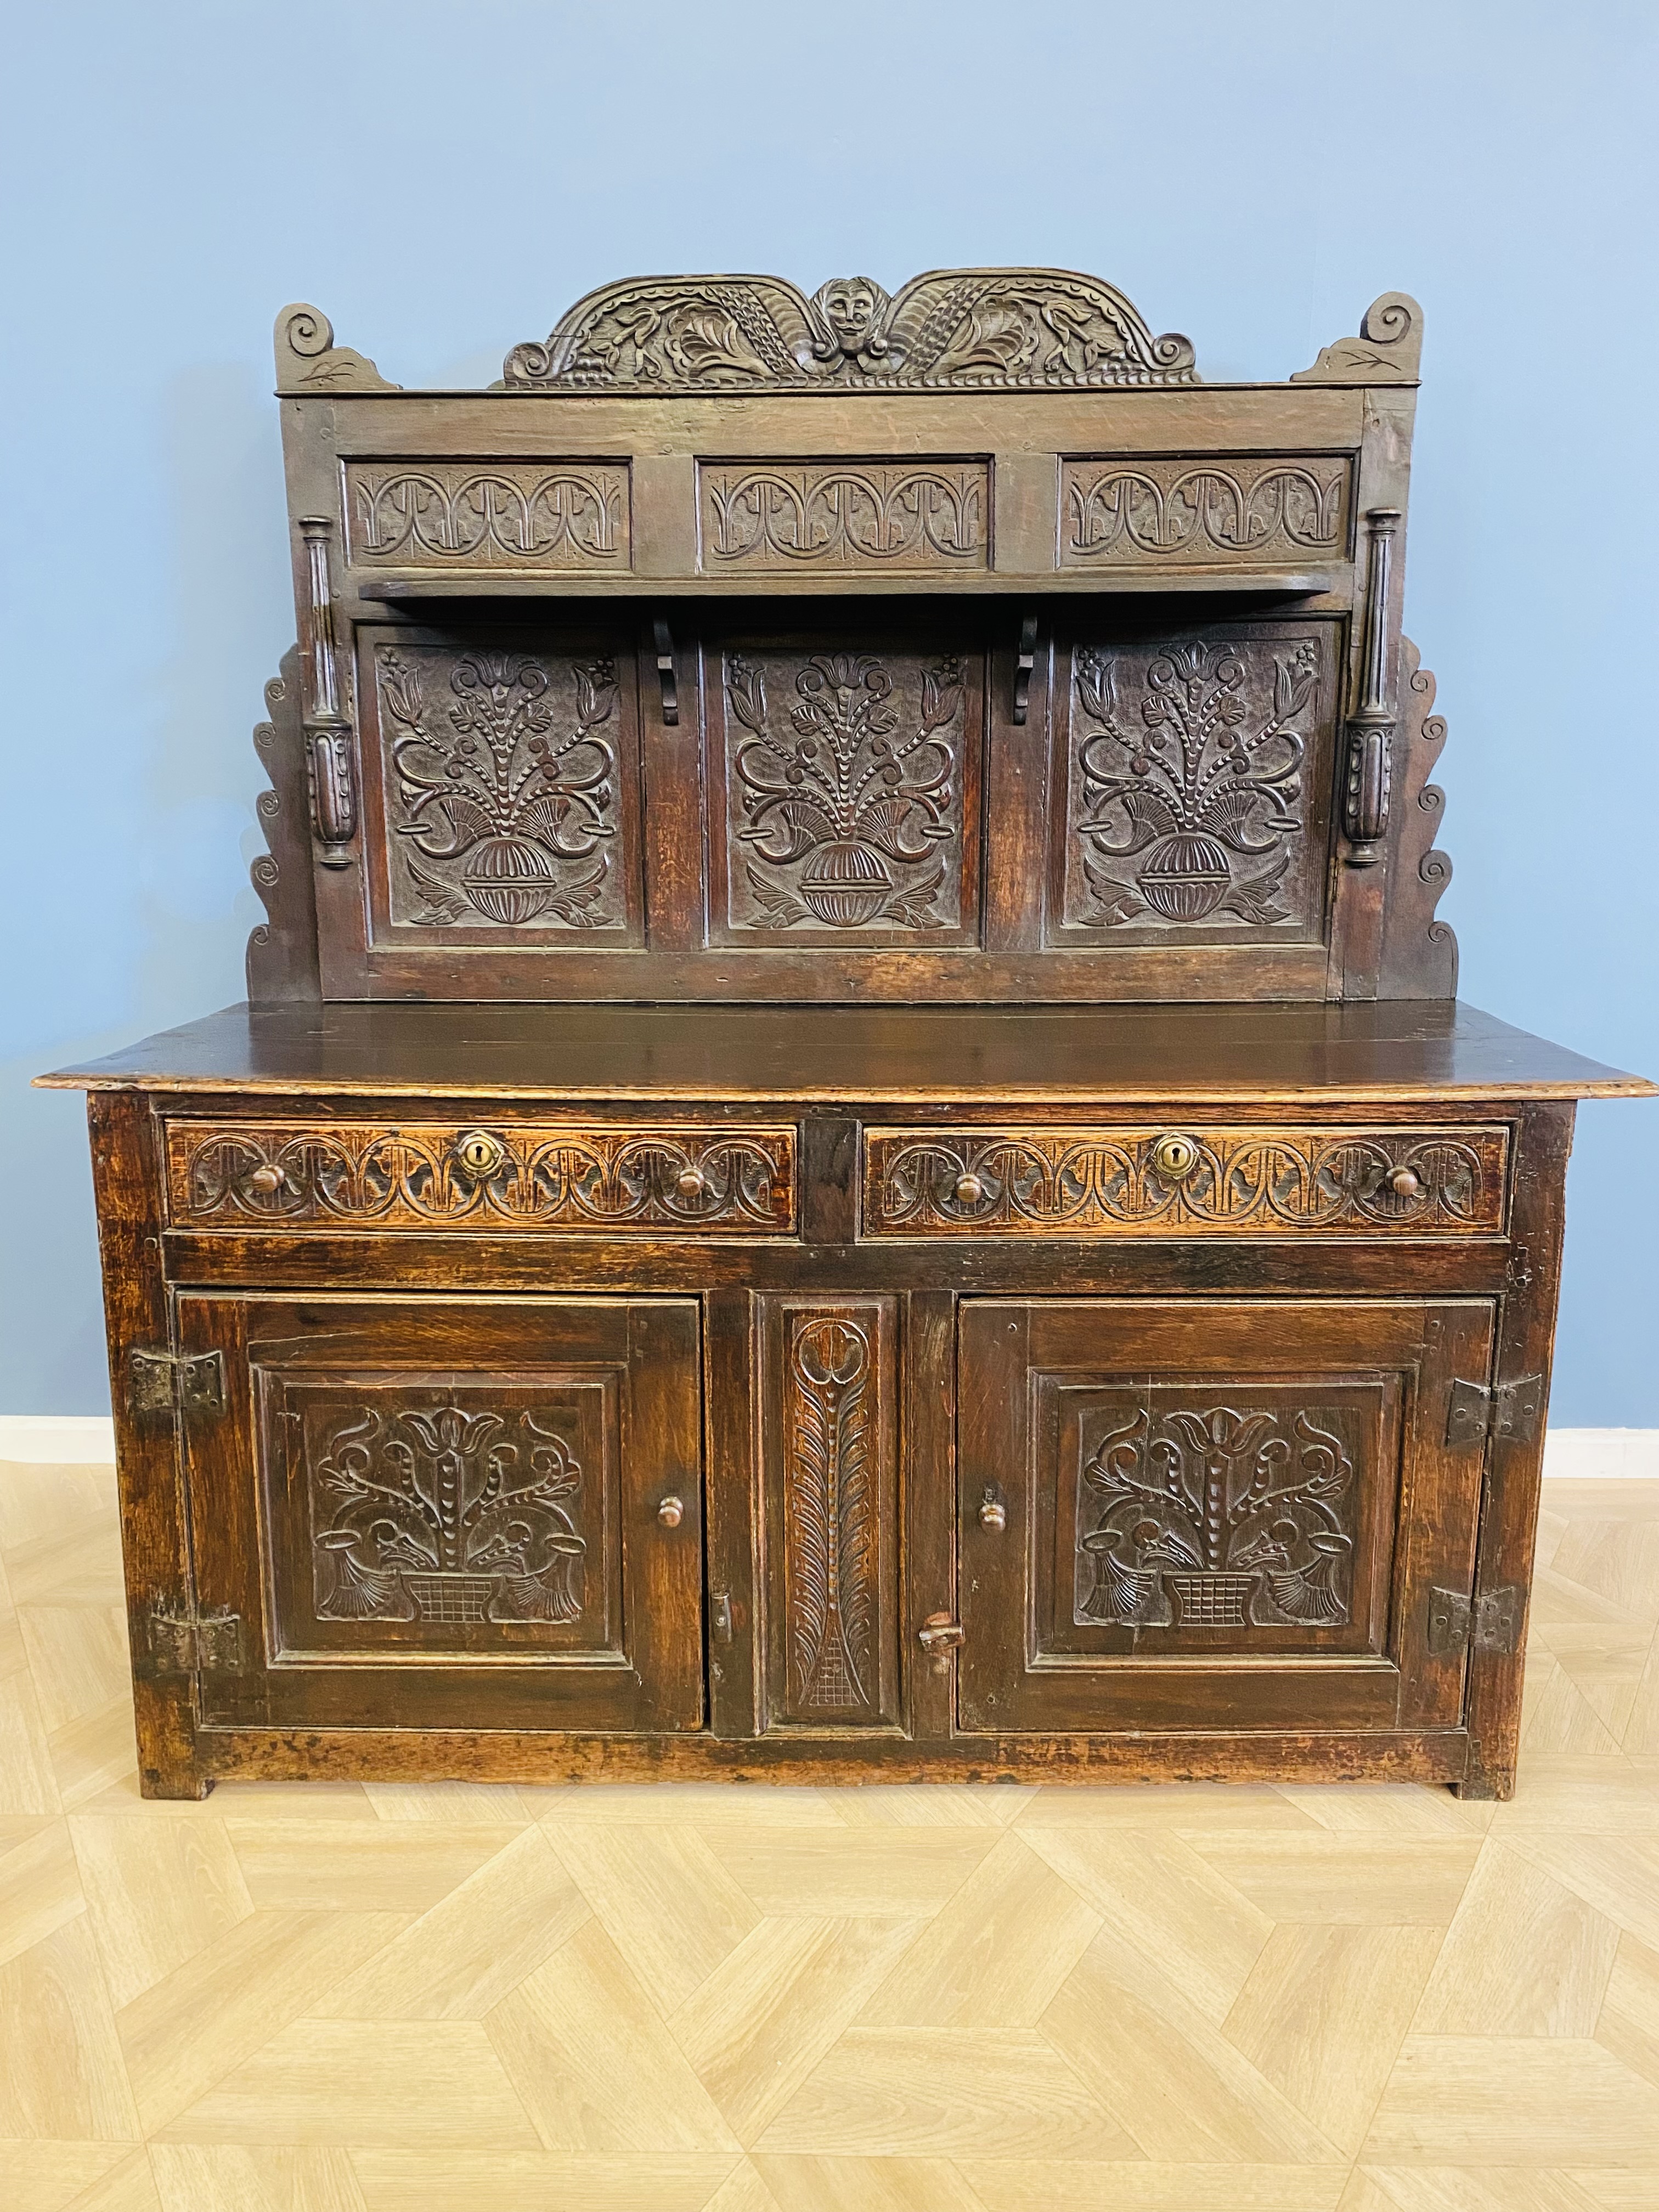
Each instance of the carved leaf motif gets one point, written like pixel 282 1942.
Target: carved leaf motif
pixel 829 1514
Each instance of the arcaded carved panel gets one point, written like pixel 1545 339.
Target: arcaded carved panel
pixel 539 1176
pixel 1130 1182
pixel 950 329
pixel 523 517
pixel 458 1513
pixel 847 787
pixel 1195 793
pixel 1154 513
pixel 776 518
pixel 1212 1519
pixel 832 1442
pixel 501 783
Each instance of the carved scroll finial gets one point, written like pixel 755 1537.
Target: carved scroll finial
pixel 951 329
pixel 1387 351
pixel 307 359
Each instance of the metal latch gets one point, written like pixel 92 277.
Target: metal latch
pixel 1490 1622
pixel 1511 1411
pixel 159 1381
pixel 719 1610
pixel 182 1641
pixel 938 1637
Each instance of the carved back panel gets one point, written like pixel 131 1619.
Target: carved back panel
pixel 950 643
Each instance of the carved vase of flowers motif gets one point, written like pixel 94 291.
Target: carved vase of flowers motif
pixel 510 793
pixel 1192 816
pixel 1213 1518
pixel 446 1514
pixel 851 814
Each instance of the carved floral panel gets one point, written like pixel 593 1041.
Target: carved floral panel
pixel 847 803
pixel 528 516
pixel 1237 512
pixel 1213 1516
pixel 774 517
pixel 1195 773
pixel 555 1175
pixel 503 782
pixel 1236 1183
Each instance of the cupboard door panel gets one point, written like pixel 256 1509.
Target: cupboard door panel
pixel 427 1513
pixel 1211 1513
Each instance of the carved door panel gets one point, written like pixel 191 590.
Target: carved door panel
pixel 430 1514
pixel 829 1463
pixel 1212 1515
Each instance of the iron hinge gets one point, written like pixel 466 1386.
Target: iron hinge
pixel 184 1642
pixel 1511 1411
pixel 1490 1622
pixel 157 1382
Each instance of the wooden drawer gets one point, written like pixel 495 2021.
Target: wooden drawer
pixel 567 1177
pixel 1181 1181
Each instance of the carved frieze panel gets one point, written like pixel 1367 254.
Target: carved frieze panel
pixel 950 329
pixel 505 787
pixel 542 1176
pixel 522 516
pixel 845 796
pixel 775 518
pixel 1204 1183
pixel 1242 512
pixel 1213 1517
pixel 1195 775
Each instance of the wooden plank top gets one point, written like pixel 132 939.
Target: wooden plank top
pixel 1396 1049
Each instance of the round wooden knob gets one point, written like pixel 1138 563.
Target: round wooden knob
pixel 671 1512
pixel 968 1189
pixel 992 1514
pixel 266 1180
pixel 479 1154
pixel 1405 1182
pixel 1175 1156
pixel 691 1182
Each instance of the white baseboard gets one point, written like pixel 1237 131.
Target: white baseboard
pixel 88 1439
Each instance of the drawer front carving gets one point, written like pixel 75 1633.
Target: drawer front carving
pixel 529 516
pixel 548 1176
pixel 773 518
pixel 1201 1182
pixel 1240 513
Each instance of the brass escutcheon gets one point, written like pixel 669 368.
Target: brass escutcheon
pixel 1175 1156
pixel 479 1154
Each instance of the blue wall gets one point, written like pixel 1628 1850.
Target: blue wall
pixel 445 179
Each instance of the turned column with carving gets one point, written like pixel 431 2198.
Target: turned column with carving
pixel 331 771
pixel 1370 726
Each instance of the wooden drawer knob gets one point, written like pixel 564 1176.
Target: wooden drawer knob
pixel 671 1512
pixel 992 1514
pixel 267 1180
pixel 1405 1182
pixel 968 1188
pixel 691 1182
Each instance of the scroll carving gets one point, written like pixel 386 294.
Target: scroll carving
pixel 1186 783
pixel 282 951
pixel 844 803
pixel 452 1514
pixel 538 515
pixel 951 330
pixel 1242 1182
pixel 307 359
pixel 1149 513
pixel 830 1535
pixel 1204 1517
pixel 538 1176
pixel 774 517
pixel 1388 350
pixel 1420 958
pixel 504 798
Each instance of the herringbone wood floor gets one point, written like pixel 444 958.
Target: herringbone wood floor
pixel 349 1998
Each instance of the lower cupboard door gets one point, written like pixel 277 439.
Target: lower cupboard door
pixel 434 1513
pixel 1213 1514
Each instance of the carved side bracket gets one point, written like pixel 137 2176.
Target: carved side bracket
pixel 282 951
pixel 1370 726
pixel 1419 954
pixel 328 729
pixel 1387 351
pixel 307 359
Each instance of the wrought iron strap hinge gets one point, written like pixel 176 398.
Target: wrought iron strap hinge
pixel 158 1381
pixel 1490 1622
pixel 184 1642
pixel 1511 1411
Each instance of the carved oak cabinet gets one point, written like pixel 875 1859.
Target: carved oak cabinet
pixel 852 1152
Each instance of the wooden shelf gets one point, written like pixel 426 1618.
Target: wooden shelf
pixel 395 586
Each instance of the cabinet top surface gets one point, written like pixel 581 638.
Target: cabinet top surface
pixel 1399 1049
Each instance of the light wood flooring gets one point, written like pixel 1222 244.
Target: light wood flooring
pixel 358 1998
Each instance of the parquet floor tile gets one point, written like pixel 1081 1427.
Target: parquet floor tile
pixel 398 1997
